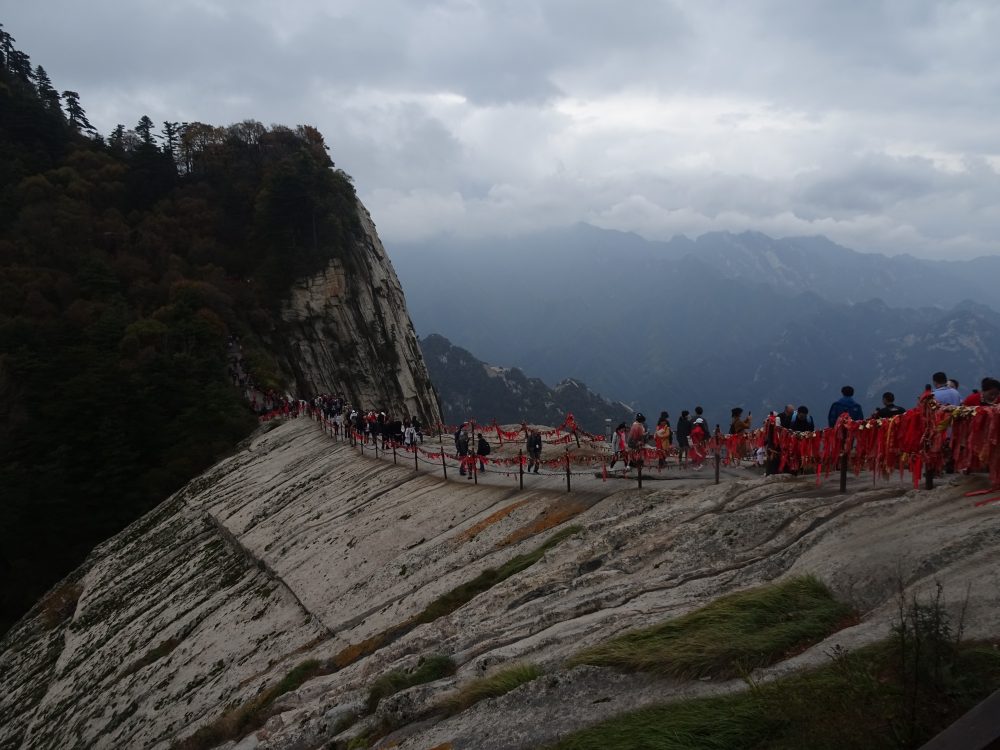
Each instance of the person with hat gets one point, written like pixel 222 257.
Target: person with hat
pixel 699 439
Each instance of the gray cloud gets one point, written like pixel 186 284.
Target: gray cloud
pixel 870 122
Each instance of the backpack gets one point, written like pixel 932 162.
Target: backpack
pixel 483 448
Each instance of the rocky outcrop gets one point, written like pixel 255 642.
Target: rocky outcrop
pixel 298 550
pixel 346 330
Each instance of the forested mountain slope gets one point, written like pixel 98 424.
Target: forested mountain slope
pixel 125 266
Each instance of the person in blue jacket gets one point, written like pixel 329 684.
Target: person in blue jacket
pixel 845 404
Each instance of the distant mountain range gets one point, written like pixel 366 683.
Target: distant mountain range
pixel 471 389
pixel 722 320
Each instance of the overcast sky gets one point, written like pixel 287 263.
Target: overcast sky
pixel 874 123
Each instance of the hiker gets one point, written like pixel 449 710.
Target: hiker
pixel 482 449
pixel 462 449
pixel 618 446
pixel 534 448
pixel 988 394
pixel 785 418
pixel 663 437
pixel 738 425
pixel 637 440
pixel 683 434
pixel 409 435
pixel 699 440
pixel 943 393
pixel 888 409
pixel 845 405
pixel 802 422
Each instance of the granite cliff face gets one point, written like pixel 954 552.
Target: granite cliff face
pixel 297 557
pixel 346 330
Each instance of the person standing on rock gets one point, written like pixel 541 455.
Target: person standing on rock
pixel 619 446
pixel 637 440
pixel 462 448
pixel 534 448
pixel 663 437
pixel 944 393
pixel 889 408
pixel 683 435
pixel 699 439
pixel 845 405
pixel 482 449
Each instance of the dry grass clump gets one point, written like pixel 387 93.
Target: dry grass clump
pixel 429 669
pixel 492 686
pixel 251 715
pixel 449 602
pixel 731 636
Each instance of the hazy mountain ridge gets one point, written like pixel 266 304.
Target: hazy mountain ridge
pixel 469 388
pixel 722 320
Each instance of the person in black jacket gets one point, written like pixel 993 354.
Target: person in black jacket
pixel 482 449
pixel 889 408
pixel 802 422
pixel 683 434
pixel 534 450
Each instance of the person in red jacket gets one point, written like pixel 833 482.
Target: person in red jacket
pixel 637 440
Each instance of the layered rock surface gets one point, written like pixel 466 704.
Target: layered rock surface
pixel 297 548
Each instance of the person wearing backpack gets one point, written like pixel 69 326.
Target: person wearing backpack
pixel 802 422
pixel 482 449
pixel 534 447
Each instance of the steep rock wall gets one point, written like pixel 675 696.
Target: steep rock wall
pixel 346 330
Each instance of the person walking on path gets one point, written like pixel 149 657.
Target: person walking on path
pixel 534 450
pixel 619 446
pixel 462 449
pixel 482 450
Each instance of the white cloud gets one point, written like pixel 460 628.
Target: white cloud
pixel 870 122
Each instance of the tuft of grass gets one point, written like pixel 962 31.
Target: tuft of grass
pixel 731 636
pixel 856 701
pixel 428 670
pixel 457 597
pixel 726 723
pixel 492 686
pixel 251 715
pixel 239 721
pixel 897 694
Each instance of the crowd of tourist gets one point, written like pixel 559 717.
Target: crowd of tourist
pixel 692 431
pixel 629 444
